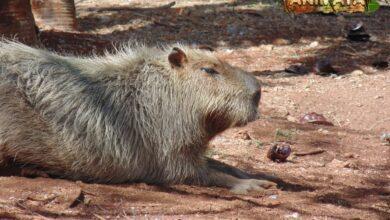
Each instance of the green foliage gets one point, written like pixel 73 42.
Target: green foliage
pixel 258 143
pixel 373 5
pixel 284 135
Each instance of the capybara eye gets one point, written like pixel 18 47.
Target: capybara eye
pixel 209 70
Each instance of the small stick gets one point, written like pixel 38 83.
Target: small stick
pixel 169 5
pixel 99 217
pixel 163 24
pixel 318 151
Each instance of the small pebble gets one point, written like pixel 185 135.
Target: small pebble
pixel 351 165
pixel 234 163
pixel 87 201
pixel 297 69
pixel 279 152
pixel 294 215
pixel 268 47
pixel 291 118
pixel 323 67
pixel 385 137
pixel 357 73
pixel 314 118
pixel 318 164
pixel 313 44
pixel 243 135
pixel 358 33
pixel 273 196
pixel 281 41
pixel 323 131
pixel 336 164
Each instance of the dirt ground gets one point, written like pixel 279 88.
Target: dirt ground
pixel 349 179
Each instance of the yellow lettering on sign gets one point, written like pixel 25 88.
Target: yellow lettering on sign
pixel 299 2
pixel 356 2
pixel 341 2
pixel 309 2
pixel 324 2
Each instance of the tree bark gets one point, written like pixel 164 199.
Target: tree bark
pixel 55 14
pixel 17 22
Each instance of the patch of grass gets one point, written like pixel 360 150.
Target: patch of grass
pixel 258 143
pixel 284 134
pixel 211 152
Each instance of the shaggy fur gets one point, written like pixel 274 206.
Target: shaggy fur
pixel 124 117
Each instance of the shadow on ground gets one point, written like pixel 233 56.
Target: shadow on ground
pixel 236 25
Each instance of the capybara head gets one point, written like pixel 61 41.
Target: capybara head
pixel 225 96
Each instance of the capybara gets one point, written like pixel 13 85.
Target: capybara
pixel 142 114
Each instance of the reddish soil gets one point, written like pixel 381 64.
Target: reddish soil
pixel 348 178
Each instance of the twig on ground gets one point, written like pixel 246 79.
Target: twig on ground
pixel 169 5
pixel 313 152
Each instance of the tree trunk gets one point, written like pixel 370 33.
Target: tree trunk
pixel 55 14
pixel 16 21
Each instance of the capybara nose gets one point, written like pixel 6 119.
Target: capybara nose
pixel 257 96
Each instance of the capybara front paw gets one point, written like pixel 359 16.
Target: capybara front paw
pixel 246 185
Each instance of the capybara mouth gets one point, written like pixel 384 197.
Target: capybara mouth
pixel 252 117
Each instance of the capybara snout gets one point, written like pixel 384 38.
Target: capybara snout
pixel 254 88
pixel 256 97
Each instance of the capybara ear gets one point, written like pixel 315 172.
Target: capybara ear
pixel 177 57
